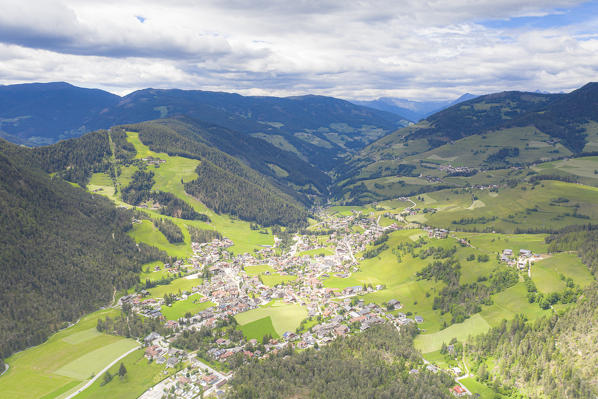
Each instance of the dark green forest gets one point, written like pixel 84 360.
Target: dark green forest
pixel 225 192
pixel 374 364
pixel 171 231
pixel 77 159
pixel 202 235
pixel 64 254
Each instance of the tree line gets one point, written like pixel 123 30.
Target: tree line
pixel 374 364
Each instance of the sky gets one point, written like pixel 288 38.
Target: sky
pixel 363 49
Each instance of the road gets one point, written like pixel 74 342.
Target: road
pixel 6 366
pixel 458 379
pixel 98 375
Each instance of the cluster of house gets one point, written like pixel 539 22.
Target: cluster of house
pixel 206 253
pixel 436 233
pixel 455 169
pixel 158 350
pixel 153 161
pixel 191 382
pixel 234 291
pixel 521 261
pixel 430 178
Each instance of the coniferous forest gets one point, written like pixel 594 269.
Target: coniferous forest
pixel 66 254
pixel 374 364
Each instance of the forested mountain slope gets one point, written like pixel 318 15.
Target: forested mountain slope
pixel 282 166
pixel 316 128
pixel 63 251
pixel 43 113
pixel 412 110
pixel 224 183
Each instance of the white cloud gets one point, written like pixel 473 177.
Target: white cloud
pixel 364 49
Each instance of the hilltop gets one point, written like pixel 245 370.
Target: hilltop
pixel 454 147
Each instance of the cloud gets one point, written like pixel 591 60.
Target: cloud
pixel 363 49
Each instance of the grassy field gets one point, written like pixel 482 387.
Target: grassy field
pixel 64 361
pixel 101 183
pixel 149 273
pixel 284 317
pixel 141 375
pixel 475 325
pixel 507 304
pixel 258 269
pixel 90 363
pixel 170 177
pixel 181 284
pixel 546 273
pixel 517 208
pixel 258 328
pixel 317 252
pixel 148 233
pixel 180 308
pixel 581 168
pixel 274 279
pixel 477 387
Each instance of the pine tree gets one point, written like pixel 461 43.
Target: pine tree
pixel 122 370
pixel 107 378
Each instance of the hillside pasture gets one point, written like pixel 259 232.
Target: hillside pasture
pixel 170 177
pixel 181 284
pixel 547 273
pixel 548 205
pixel 64 362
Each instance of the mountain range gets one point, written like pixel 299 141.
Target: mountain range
pixel 409 109
pixel 317 129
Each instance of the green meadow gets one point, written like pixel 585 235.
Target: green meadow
pixel 317 252
pixel 283 317
pixel 191 305
pixel 547 273
pixel 182 285
pixel 257 329
pixel 476 387
pixel 507 304
pixel 141 374
pixel 64 362
pixel 511 209
pixel 170 176
pixel 583 169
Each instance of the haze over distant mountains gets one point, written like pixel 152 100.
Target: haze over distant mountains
pixel 316 128
pixel 412 110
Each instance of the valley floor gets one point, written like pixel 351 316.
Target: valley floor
pixel 250 293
